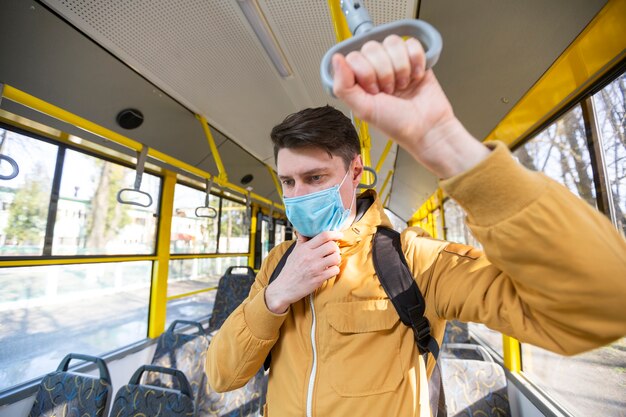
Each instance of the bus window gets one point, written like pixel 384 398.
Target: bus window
pixel 192 234
pixel 279 232
pixel 456 228
pixel 560 151
pixel 595 380
pixel 25 199
pixel 194 276
pixel 90 221
pixel 610 104
pixel 234 228
pixel 48 311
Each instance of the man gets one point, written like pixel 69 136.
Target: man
pixel 555 276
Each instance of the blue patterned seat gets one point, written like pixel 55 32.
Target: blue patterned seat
pixel 232 289
pixel 456 332
pixel 248 400
pixel 135 399
pixel 187 353
pixel 64 394
pixel 474 388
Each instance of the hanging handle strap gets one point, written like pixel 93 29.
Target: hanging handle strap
pixel 374 176
pixel 142 156
pixel 248 217
pixel 15 169
pixel 209 212
pixel 363 31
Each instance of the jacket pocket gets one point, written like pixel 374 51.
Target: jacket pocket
pixel 364 348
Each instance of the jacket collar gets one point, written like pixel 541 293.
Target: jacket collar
pixel 370 215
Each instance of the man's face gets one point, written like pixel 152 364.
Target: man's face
pixel 304 171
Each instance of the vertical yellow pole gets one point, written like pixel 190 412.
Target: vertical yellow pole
pixel 342 32
pixel 442 215
pixel 512 353
pixel 252 237
pixel 160 270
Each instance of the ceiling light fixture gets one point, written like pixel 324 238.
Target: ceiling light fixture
pixel 261 27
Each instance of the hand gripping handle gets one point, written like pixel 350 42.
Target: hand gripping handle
pixel 422 31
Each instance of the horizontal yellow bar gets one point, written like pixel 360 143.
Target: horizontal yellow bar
pixel 207 255
pixel 601 45
pixel 190 293
pixel 71 261
pixel 41 106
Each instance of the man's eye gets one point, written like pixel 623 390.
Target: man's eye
pixel 287 183
pixel 316 178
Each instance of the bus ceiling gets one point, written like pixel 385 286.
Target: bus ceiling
pixel 171 67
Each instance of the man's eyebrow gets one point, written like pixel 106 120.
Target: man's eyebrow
pixel 314 171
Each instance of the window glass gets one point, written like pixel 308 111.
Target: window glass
pixel 279 233
pixel 456 228
pixel 187 275
pixel 560 151
pixel 192 234
pixel 438 224
pixel 610 104
pixel 234 228
pixel 265 238
pixel 398 224
pixel 596 380
pixel 488 336
pixel 49 311
pixel 24 200
pixel 90 220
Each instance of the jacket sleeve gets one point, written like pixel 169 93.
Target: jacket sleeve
pixel 554 269
pixel 239 348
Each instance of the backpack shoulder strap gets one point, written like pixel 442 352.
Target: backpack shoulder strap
pixel 398 282
pixel 279 267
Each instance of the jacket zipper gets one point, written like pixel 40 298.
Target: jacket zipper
pixel 309 397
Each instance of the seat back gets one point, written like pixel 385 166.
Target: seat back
pixel 232 289
pixel 185 352
pixel 474 387
pixel 148 400
pixel 85 395
pixel 248 400
pixel 456 332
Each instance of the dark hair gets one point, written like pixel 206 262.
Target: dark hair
pixel 323 127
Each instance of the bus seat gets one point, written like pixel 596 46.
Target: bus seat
pixel 182 351
pixel 248 400
pixel 456 332
pixel 63 393
pixel 456 342
pixel 149 400
pixel 474 387
pixel 232 289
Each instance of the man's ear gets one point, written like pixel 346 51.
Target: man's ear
pixel 357 170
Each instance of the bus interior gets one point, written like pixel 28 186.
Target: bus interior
pixel 173 102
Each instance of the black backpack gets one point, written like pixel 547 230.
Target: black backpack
pixel 397 281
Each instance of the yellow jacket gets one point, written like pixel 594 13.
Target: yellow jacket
pixel 555 277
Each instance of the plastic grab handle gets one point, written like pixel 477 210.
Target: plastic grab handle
pixel 422 31
pixel 184 386
pixel 102 367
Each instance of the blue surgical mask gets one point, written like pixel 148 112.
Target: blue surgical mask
pixel 321 211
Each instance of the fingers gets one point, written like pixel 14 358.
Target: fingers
pixel 324 237
pixel 417 58
pixel 389 67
